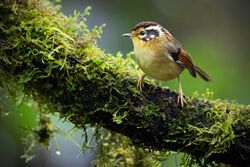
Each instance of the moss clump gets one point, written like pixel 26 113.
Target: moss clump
pixel 117 150
pixel 47 55
pixel 54 60
pixel 216 133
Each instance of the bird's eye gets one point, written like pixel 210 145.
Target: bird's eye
pixel 142 33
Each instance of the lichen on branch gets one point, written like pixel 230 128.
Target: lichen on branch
pixel 54 60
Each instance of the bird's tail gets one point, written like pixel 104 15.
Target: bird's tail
pixel 202 74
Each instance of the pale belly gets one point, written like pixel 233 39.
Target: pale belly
pixel 158 67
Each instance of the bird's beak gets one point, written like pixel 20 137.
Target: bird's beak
pixel 127 35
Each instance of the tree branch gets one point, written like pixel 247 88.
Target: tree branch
pixel 53 59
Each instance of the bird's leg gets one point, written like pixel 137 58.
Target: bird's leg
pixel 140 81
pixel 181 99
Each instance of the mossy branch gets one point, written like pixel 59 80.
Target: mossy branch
pixel 54 60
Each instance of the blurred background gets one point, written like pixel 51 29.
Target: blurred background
pixel 215 33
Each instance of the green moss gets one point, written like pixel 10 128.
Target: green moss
pixel 150 109
pixel 216 135
pixel 53 59
pixel 45 43
pixel 120 151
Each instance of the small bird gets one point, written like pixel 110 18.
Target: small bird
pixel 161 56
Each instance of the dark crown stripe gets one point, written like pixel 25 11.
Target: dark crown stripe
pixel 145 25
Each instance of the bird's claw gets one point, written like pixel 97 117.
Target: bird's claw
pixel 140 81
pixel 181 100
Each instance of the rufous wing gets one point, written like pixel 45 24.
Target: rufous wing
pixel 181 57
pixel 185 60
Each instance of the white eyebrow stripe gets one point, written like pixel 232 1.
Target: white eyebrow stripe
pixel 153 28
pixel 158 28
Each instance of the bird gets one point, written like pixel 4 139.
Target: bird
pixel 160 56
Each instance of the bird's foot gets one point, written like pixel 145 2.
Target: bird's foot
pixel 140 81
pixel 181 100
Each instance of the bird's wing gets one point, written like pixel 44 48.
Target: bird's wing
pixel 181 57
pixel 186 61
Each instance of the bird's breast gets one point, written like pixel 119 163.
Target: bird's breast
pixel 157 64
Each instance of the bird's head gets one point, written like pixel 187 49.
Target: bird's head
pixel 148 34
